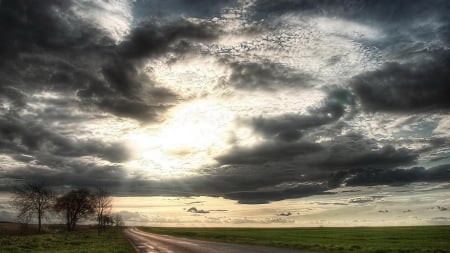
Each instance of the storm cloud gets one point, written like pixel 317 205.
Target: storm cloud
pixel 373 176
pixel 254 101
pixel 266 76
pixel 268 152
pixel 289 127
pixel 75 52
pixel 415 86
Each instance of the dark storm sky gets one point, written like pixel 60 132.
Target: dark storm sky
pixel 254 101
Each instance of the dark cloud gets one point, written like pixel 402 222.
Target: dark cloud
pixel 379 176
pixel 50 49
pixel 133 92
pixel 129 108
pixel 268 152
pixel 32 138
pixel 343 155
pixel 45 47
pixel 266 196
pixel 244 183
pixel 289 127
pixel 174 9
pixel 13 95
pixel 384 11
pixel 25 24
pixel 195 210
pixel 243 186
pixel 270 165
pixel 266 75
pixel 62 53
pixel 285 214
pixel 60 172
pixel 124 77
pixel 361 200
pixel 407 28
pixel 409 87
pixel 151 39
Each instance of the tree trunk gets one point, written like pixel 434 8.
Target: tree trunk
pixel 73 223
pixel 39 222
pixel 68 221
pixel 98 225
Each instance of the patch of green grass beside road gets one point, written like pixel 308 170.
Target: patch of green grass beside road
pixel 86 240
pixel 430 239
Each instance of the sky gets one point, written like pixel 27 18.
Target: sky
pixel 233 112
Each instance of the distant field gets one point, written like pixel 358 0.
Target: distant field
pixel 84 240
pixel 434 239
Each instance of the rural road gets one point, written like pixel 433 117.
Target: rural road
pixel 153 243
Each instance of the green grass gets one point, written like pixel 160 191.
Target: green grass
pixel 432 239
pixel 85 240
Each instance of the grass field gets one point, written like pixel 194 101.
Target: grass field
pixel 434 239
pixel 84 240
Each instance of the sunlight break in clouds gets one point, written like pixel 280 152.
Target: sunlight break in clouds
pixel 113 16
pixel 188 140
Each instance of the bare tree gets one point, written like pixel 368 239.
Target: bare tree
pixel 107 221
pixel 76 205
pixel 102 207
pixel 33 199
pixel 118 220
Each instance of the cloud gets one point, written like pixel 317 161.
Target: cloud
pixel 60 172
pixel 278 170
pixel 268 152
pixel 128 216
pixel 385 12
pixel 440 218
pixel 361 200
pixel 132 93
pixel 7 216
pixel 266 75
pixel 31 138
pixel 268 195
pixel 61 70
pixel 71 51
pixel 28 24
pixel 289 127
pixel 15 96
pixel 151 39
pixel 135 109
pixel 343 155
pixel 195 210
pixel 408 87
pixel 379 176
pixel 174 9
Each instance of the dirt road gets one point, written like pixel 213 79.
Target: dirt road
pixel 153 243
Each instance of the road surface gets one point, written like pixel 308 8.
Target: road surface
pixel 153 243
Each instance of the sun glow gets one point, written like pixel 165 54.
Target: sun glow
pixel 195 77
pixel 193 135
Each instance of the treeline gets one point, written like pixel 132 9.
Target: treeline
pixel 35 200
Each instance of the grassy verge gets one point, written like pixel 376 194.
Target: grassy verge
pixel 85 240
pixel 432 239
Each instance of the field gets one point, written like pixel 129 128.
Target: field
pixel 13 238
pixel 434 239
